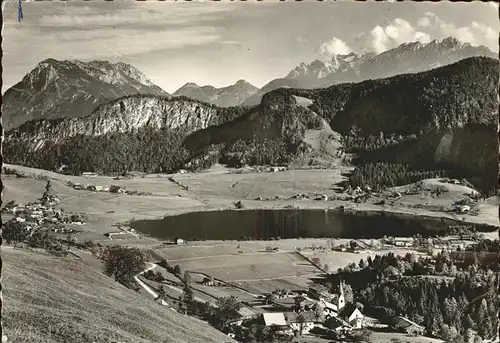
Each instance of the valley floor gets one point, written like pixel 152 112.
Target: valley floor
pixel 218 189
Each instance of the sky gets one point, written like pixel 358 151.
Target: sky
pixel 219 43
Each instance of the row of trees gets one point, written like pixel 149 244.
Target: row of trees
pixel 383 174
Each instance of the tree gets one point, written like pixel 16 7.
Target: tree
pixel 348 293
pixel 301 320
pixel 10 204
pixel 484 325
pixel 177 270
pixel 14 232
pixel 227 308
pixel 123 263
pixel 161 293
pixel 316 261
pixel 362 264
pixel 187 291
pixel 45 200
pixel 270 298
pixel 70 240
pixel 40 239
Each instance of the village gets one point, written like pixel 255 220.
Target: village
pixel 273 307
pixel 43 214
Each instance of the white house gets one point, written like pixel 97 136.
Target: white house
pixel 179 241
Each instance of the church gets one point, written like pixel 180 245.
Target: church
pixel 334 306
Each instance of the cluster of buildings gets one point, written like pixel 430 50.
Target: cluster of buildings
pixel 292 314
pixel 316 311
pixel 432 243
pixel 97 188
pixel 35 215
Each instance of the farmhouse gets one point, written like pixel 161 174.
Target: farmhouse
pixel 208 282
pixel 302 323
pixel 402 324
pixel 179 241
pixel 116 189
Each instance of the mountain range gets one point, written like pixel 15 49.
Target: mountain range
pixel 228 96
pixel 60 89
pixel 407 58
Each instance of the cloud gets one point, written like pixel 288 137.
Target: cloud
pixel 475 34
pixel 382 38
pixel 334 46
pixel 129 14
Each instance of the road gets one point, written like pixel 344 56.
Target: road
pixel 146 287
pixel 150 291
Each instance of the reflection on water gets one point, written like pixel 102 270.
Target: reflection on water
pixel 264 224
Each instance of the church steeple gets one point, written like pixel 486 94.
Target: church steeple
pixel 340 298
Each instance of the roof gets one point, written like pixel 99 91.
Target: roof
pixel 274 319
pixel 293 317
pixel 329 305
pixel 403 323
pixel 245 311
pixel 347 310
pixel 335 322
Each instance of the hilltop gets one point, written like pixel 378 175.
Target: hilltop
pixel 56 89
pixel 51 299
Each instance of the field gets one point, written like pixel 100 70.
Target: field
pixel 393 337
pixel 248 267
pixel 50 299
pixel 337 259
pixel 268 286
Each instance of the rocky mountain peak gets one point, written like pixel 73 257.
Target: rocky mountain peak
pixel 56 89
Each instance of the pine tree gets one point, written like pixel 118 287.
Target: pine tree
pixel 484 327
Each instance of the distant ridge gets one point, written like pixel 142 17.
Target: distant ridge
pixel 224 97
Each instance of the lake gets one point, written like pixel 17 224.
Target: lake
pixel 265 224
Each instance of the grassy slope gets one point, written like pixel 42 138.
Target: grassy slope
pixel 49 299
